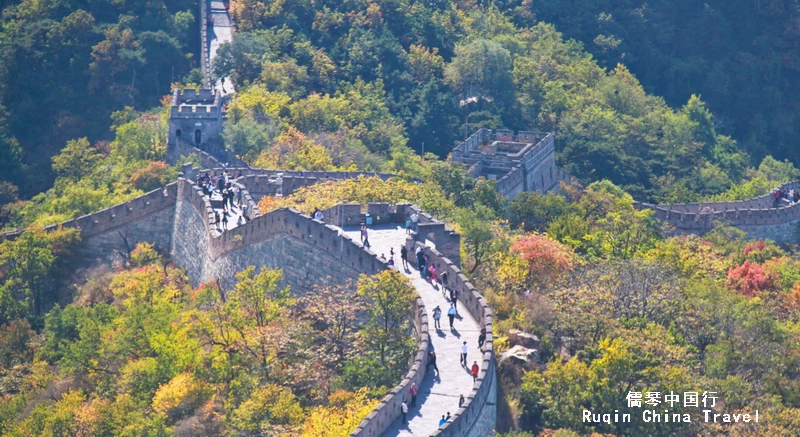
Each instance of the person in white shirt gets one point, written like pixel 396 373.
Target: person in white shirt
pixel 464 354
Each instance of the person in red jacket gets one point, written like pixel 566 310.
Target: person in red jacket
pixel 475 370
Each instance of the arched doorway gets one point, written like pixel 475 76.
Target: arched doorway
pixel 197 136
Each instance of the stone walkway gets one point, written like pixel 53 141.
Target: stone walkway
pixel 233 214
pixel 220 32
pixel 438 394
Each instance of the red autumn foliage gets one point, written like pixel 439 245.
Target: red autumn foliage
pixel 749 279
pixel 547 259
pixel 758 246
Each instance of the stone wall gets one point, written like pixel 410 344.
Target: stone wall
pixel 445 240
pixel 179 219
pixel 757 216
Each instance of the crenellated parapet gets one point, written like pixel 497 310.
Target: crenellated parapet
pixel 521 161
pixel 760 217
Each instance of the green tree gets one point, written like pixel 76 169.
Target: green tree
pixel 389 298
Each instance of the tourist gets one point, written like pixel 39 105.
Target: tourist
pixel 318 215
pixel 475 370
pixel 464 349
pixel 442 421
pixel 432 362
pixel 414 390
pixel 391 261
pixel 239 221
pixel 404 256
pixel 443 282
pixel 426 262
pixel 224 222
pixel 404 410
pixel 408 226
pixel 451 314
pixel 461 401
pixel 363 233
pixel 238 192
pixel 437 314
pixel 481 338
pixel 414 221
pixel 432 273
pixel 420 259
pixel 216 219
pixel 383 257
pixel 454 299
pixel 448 417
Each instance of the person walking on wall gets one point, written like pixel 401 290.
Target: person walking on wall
pixel 404 256
pixel 475 370
pixel 437 314
pixel 413 391
pixel 363 233
pixel 454 300
pixel 442 421
pixel 464 349
pixel 224 222
pixel 481 338
pixel 414 221
pixel 432 362
pixel 461 401
pixel 451 314
pixel 404 410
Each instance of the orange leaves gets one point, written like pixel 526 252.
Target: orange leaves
pixel 749 279
pixel 546 259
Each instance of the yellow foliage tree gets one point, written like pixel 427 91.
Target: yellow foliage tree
pixel 362 190
pixel 181 395
pixel 345 410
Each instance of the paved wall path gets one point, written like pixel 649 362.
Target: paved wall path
pixel 438 394
pixel 220 31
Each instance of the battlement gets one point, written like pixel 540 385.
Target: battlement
pixel 191 103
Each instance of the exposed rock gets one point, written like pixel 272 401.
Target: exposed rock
pixel 517 337
pixel 513 363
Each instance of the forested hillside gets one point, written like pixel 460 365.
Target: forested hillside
pixel 66 66
pixel 741 56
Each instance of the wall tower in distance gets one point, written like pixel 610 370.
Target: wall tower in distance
pixel 194 121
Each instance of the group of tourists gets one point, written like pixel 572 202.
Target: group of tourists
pixel 791 196
pixel 429 272
pixel 231 194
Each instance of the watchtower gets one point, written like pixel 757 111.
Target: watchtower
pixel 194 121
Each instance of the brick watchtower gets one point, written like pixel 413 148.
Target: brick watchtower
pixel 194 121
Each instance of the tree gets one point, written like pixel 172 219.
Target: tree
pixel 535 210
pixel 33 263
pixel 546 259
pixel 266 407
pixel 76 160
pixel 476 232
pixel 252 309
pixel 334 309
pixel 749 279
pixel 390 298
pixel 344 412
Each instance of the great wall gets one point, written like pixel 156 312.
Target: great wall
pixel 178 220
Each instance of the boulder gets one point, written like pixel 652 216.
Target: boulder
pixel 517 337
pixel 513 363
